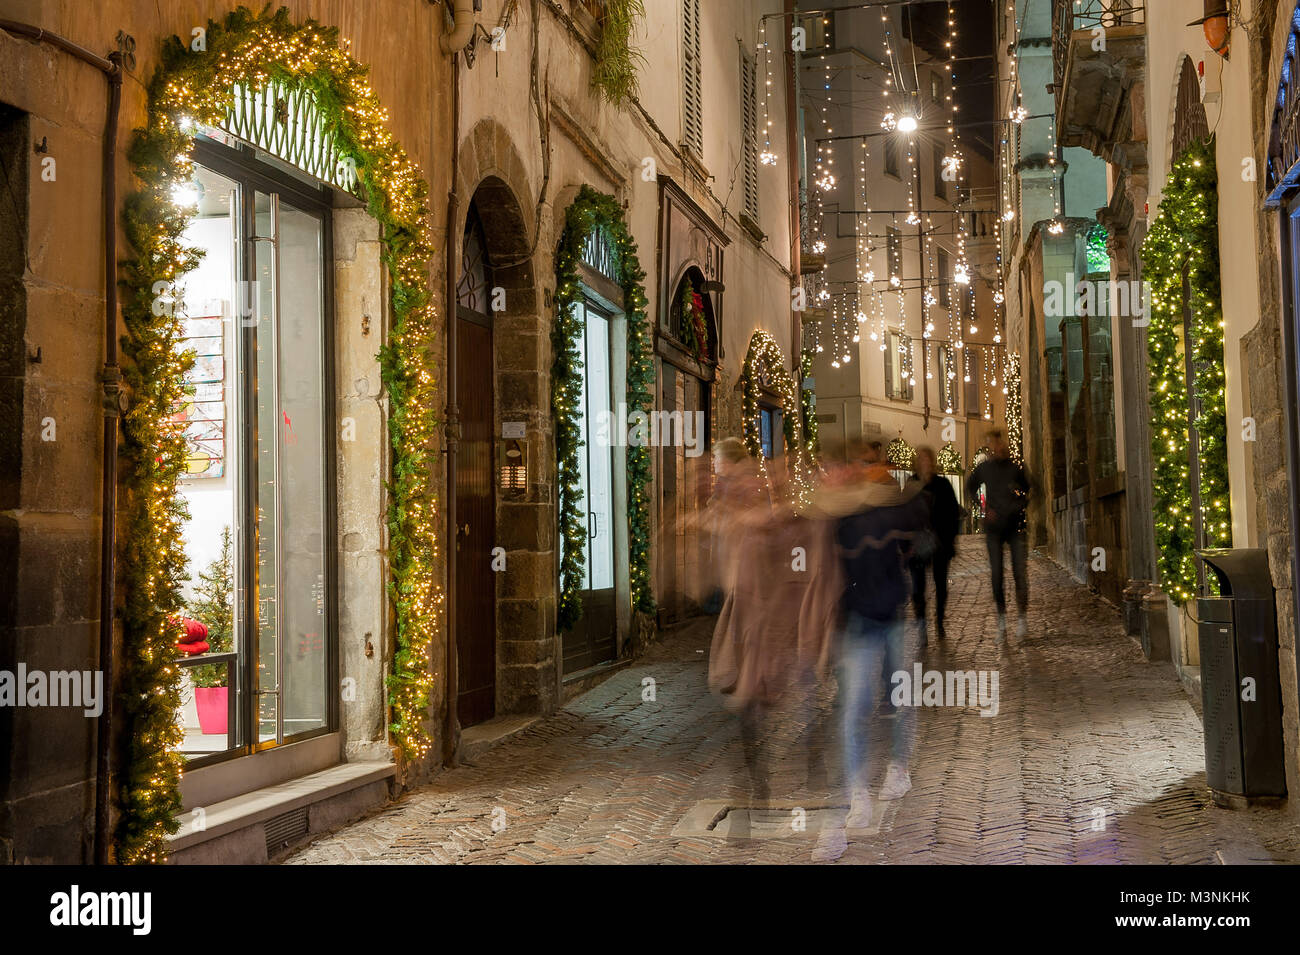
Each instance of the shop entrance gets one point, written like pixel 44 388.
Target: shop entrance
pixel 260 650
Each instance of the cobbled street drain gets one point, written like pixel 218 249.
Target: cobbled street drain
pixel 772 820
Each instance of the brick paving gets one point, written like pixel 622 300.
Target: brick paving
pixel 1095 756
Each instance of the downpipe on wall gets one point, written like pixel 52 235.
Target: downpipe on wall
pixel 110 379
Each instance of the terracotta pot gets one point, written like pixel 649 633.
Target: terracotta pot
pixel 211 702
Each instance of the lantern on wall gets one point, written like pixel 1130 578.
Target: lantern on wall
pixel 1217 26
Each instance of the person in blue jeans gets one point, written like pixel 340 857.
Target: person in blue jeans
pixel 873 540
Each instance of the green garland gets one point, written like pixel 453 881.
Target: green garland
pixel 766 362
pixel 1015 426
pixel 690 333
pixel 191 88
pixel 808 407
pixel 596 210
pixel 1184 239
pixel 614 74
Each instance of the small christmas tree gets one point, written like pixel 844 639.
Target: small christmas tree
pixel 213 606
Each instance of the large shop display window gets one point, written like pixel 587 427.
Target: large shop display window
pixel 258 645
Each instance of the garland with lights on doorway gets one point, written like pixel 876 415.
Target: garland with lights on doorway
pixel 1015 427
pixel 192 87
pixel 590 211
pixel 1184 239
pixel 765 362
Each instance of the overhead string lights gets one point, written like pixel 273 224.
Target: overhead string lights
pixel 767 157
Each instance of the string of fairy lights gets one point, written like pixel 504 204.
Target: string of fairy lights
pixel 874 307
pixel 193 89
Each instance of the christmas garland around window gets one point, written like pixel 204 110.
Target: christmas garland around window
pixel 194 87
pixel 1183 240
pixel 596 210
pixel 765 363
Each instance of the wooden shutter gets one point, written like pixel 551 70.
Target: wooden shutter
pixel 749 117
pixel 891 343
pixel 692 86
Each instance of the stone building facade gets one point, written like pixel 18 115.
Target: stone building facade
pixel 494 104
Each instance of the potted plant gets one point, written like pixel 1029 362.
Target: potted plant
pixel 213 606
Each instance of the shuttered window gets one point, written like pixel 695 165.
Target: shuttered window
pixel 749 114
pixel 692 86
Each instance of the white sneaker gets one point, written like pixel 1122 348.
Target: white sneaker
pixel 831 844
pixel 1022 628
pixel 1001 638
pixel 859 816
pixel 897 782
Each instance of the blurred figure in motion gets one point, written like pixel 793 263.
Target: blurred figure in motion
pixel 737 489
pixel 772 636
pixel 936 545
pixel 1006 495
pixel 875 521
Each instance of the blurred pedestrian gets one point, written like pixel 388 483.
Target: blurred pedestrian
pixel 1006 496
pixel 935 547
pixel 873 534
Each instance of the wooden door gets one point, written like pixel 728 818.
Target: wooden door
pixel 476 525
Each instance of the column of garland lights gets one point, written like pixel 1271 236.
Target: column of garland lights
pixel 593 210
pixel 1184 240
pixel 808 407
pixel 1015 428
pixel 191 88
pixel 766 362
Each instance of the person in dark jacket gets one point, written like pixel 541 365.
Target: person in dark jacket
pixel 875 521
pixel 945 520
pixel 1006 495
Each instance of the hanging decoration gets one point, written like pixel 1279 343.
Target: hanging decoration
pixel 694 326
pixel 1183 241
pixel 596 210
pixel 188 89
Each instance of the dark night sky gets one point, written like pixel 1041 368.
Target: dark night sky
pixel 975 70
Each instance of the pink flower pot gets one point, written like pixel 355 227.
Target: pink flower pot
pixel 211 702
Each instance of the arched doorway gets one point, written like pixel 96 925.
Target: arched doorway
pixel 475 624
pixel 689 354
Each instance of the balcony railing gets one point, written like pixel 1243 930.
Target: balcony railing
pixel 1070 16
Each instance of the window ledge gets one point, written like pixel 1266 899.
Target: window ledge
pixel 239 822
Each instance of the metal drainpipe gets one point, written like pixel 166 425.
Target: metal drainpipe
pixel 110 378
pixel 451 728
pixel 793 113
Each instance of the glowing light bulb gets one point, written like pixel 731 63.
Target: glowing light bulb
pixel 907 124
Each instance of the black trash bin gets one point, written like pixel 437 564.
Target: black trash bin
pixel 1244 754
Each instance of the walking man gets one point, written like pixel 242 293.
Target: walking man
pixel 1006 495
pixel 945 520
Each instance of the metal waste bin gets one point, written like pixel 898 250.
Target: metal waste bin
pixel 1244 755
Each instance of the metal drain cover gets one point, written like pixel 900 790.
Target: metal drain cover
pixel 720 818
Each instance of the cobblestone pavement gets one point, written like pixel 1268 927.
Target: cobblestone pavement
pixel 1095 756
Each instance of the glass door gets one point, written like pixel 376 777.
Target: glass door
pixel 592 639
pixel 286 249
pixel 260 528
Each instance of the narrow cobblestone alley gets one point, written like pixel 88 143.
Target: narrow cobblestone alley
pixel 1095 756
